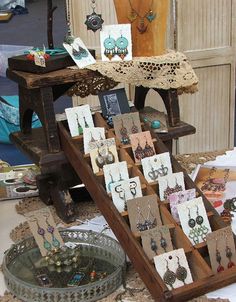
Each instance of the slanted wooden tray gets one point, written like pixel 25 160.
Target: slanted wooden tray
pixel 204 280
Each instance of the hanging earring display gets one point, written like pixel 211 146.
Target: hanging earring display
pixel 94 21
pixel 141 17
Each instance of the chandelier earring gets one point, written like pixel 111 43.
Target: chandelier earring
pixel 134 128
pixel 169 277
pixel 148 150
pixel 122 47
pixel 124 134
pixel 139 152
pixel 110 47
pixel 51 229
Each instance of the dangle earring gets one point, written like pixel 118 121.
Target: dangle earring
pixel 134 128
pixel 202 229
pixel 153 245
pixel 94 21
pixel 92 139
pixel 85 122
pixel 181 272
pixel 168 190
pixel 169 277
pixel 139 152
pixel 120 177
pixel 132 187
pixel 80 129
pixel 122 195
pixel 100 161
pixel 150 16
pixel 163 242
pixel 162 171
pixel 148 150
pixel 193 234
pixel 220 267
pixel 177 187
pixel 150 221
pixel 153 174
pixel 229 255
pixel 110 158
pixel 145 224
pixel 124 134
pixel 50 229
pixel 122 47
pixel 111 182
pixel 109 45
pixel 47 245
pixel 80 53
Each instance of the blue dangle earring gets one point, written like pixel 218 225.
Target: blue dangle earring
pixel 110 46
pixel 55 242
pixel 122 47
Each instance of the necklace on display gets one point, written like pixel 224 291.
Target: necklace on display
pixel 134 15
pixel 69 39
pixel 94 21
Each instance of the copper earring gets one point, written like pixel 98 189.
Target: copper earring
pixel 181 272
pixel 169 277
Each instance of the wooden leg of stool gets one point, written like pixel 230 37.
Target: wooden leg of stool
pixel 140 96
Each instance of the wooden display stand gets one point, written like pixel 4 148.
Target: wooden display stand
pixel 152 42
pixel 204 280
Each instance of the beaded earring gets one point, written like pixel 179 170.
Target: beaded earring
pixel 169 277
pixel 177 187
pixel 220 267
pixel 122 47
pixel 50 229
pixel 181 272
pixel 148 150
pixel 229 255
pixel 109 45
pixel 139 152
pixel 80 53
pixel 134 128
pixel 47 245
pixel 124 134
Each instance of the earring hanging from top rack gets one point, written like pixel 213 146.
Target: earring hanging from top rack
pixel 69 38
pixel 181 272
pixel 94 21
pixel 149 15
pixel 169 277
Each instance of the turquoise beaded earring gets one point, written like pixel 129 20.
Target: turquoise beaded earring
pixel 110 46
pixel 122 47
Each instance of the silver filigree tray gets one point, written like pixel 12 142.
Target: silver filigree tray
pixel 21 265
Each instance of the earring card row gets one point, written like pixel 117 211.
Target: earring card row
pixel 204 278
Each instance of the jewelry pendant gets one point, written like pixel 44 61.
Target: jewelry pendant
pixel 151 16
pixel 132 16
pixel 94 21
pixel 142 28
pixel 69 39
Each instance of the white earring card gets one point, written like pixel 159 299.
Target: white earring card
pixel 194 220
pixel 124 190
pixel 144 213
pixel 170 184
pixel 173 268
pixel 92 135
pixel 156 241
pixel 177 198
pixel 104 155
pixel 116 42
pixel 156 166
pixel 79 53
pixel 114 173
pixel 78 118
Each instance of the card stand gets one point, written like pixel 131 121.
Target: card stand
pixel 204 279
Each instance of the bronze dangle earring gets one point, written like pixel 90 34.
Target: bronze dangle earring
pixel 193 234
pixel 181 272
pixel 177 187
pixel 94 21
pixel 169 277
pixel 168 190
pixel 110 158
pixel 220 267
pixel 134 128
pixel 124 134
pixel 148 150
pixel 138 152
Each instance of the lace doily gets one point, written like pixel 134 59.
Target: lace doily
pixel 171 70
